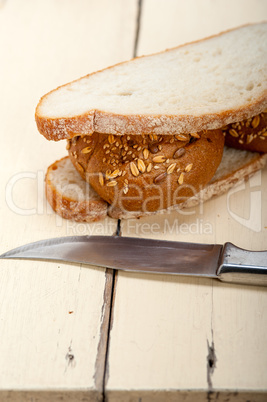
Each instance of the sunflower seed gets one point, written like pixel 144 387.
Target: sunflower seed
pixel 180 152
pixel 153 148
pixel 160 177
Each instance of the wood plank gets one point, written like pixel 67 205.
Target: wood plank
pixel 53 317
pixel 177 338
pixel 171 23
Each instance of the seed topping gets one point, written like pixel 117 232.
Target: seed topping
pixel 141 166
pixel 233 132
pixel 111 139
pixel 101 179
pixel 180 152
pixel 159 159
pixel 112 183
pixel 146 153
pixel 114 174
pixel 171 168
pixel 160 177
pixel 149 167
pixel 86 150
pixel 153 148
pixel 181 178
pixel 80 167
pixel 134 170
pixel 182 137
pixel 256 121
pixel 188 167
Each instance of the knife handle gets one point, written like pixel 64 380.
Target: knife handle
pixel 242 266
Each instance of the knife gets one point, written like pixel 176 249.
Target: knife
pixel 225 262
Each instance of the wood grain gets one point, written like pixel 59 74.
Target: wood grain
pixel 187 339
pixel 53 317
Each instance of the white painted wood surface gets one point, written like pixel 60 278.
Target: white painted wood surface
pixel 53 317
pixel 164 329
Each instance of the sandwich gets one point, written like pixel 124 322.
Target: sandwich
pixel 160 132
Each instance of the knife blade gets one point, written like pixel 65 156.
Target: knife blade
pixel 225 262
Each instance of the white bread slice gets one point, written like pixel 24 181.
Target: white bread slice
pixel 70 196
pixel 68 193
pixel 202 85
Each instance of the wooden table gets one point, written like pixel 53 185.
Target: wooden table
pixel 73 333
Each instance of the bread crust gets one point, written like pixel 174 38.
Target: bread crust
pixel 118 124
pixel 250 134
pixel 147 173
pixel 92 209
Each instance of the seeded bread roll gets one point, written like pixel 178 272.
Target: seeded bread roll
pixel 147 173
pixel 249 134
pixel 70 196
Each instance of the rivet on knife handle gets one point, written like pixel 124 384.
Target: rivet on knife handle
pixel 242 266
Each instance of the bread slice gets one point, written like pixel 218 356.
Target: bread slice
pixel 201 85
pixel 72 198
